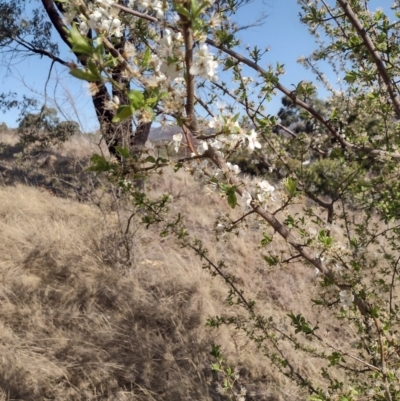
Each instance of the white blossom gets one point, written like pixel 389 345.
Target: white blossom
pixel 252 139
pixel 233 168
pixel 177 139
pixel 129 50
pixel 220 230
pixel 202 147
pixel 83 27
pixel 96 15
pixel 215 20
pixel 165 44
pixel 170 70
pixel 245 201
pixel 338 269
pixel 69 16
pixel 112 104
pixel 106 3
pixel 265 186
pixel 204 64
pixel 217 123
pixel 101 19
pixel 346 298
pixel 220 105
pixel 117 28
pixel 159 10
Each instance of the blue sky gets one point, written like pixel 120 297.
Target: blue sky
pixel 282 32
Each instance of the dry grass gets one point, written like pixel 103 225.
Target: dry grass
pixel 82 319
pixel 74 327
pixel 60 170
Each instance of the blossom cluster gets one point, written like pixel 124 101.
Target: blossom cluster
pixel 204 64
pixel 164 70
pixel 101 17
pixel 157 6
pixel 346 298
pixel 229 134
pixel 160 65
pixel 167 56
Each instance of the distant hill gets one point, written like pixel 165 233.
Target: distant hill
pixel 163 133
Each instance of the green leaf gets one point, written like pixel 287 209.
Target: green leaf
pixel 335 358
pixel 350 77
pixel 99 49
pixel 334 115
pixel 112 62
pixel 216 367
pixel 123 112
pixel 272 260
pixel 301 325
pixel 375 312
pixel 291 186
pixel 150 159
pixel 215 351
pixel 99 164
pixel 378 15
pixel 151 111
pixel 232 200
pixel 182 10
pixel 230 191
pixel 178 166
pixel 123 151
pixel 94 70
pixel 226 39
pixel 229 63
pixel 325 239
pixel 84 75
pixel 136 99
pixel 79 43
pixel 146 58
pixel 266 240
pixel 194 6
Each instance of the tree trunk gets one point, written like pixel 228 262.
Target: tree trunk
pixel 120 134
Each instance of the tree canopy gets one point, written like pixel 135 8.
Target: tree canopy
pixel 45 128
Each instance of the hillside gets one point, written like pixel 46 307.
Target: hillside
pixel 92 311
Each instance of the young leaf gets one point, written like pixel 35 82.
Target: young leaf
pixel 80 44
pixel 94 70
pixel 266 240
pixel 99 164
pixel 232 199
pixel 84 75
pixel 136 99
pixel 123 112
pixel 146 58
pixel 123 151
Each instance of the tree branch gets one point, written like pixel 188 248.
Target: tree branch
pixel 42 52
pixel 303 105
pixel 374 53
pixel 284 90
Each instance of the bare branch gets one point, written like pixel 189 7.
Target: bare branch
pixel 42 52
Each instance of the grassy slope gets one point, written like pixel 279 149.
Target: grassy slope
pixel 79 321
